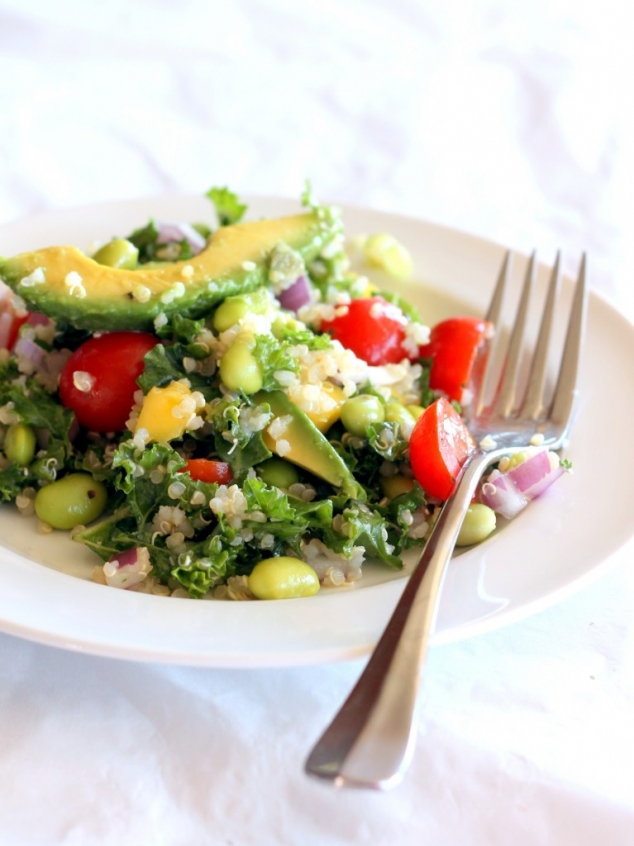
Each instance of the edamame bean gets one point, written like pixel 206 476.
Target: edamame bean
pixel 397 413
pixel 73 500
pixel 393 486
pixel 233 309
pixel 277 472
pixel 477 525
pixel 19 444
pixel 240 369
pixel 119 253
pixel 284 323
pixel 358 412
pixel 283 578
pixel 415 410
pixel 385 252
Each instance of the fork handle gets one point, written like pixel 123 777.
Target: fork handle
pixel 370 741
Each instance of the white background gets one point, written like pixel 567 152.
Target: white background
pixel 508 120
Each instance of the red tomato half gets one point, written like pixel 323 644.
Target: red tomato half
pixel 209 470
pixel 15 328
pixel 99 380
pixel 438 448
pixel 372 328
pixel 453 345
pixel 10 321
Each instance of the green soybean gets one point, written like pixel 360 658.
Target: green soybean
pixel 277 472
pixel 72 501
pixel 119 253
pixel 285 323
pixel 385 252
pixel 240 369
pixel 397 413
pixel 393 486
pixel 233 309
pixel 19 444
pixel 358 412
pixel 283 578
pixel 477 525
pixel 415 410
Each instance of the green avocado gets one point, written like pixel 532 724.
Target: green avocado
pixel 64 283
pixel 308 446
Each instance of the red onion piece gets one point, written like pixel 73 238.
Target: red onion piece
pixel 30 350
pixel 126 558
pixel 296 296
pixel 36 319
pixel 170 232
pixel 508 493
pixel 5 292
pixel 128 568
pixel 6 322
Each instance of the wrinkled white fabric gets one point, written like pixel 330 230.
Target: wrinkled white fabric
pixel 507 120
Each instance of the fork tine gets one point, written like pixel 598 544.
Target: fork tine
pixel 565 391
pixel 485 375
pixel 505 398
pixel 495 306
pixel 533 405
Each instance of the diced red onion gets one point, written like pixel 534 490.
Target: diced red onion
pixel 126 558
pixel 36 319
pixel 50 367
pixel 295 296
pixel 6 322
pixel 508 493
pixel 170 232
pixel 5 292
pixel 28 349
pixel 127 568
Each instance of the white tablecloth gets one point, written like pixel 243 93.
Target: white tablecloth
pixel 508 120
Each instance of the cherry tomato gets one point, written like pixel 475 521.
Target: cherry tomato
pixel 99 380
pixel 14 329
pixel 10 322
pixel 438 447
pixel 372 328
pixel 209 470
pixel 453 345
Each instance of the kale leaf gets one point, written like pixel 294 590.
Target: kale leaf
pixel 228 207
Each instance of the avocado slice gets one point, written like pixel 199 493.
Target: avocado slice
pixel 67 285
pixel 309 448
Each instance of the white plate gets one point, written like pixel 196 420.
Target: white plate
pixel 555 546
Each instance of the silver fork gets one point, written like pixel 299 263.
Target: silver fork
pixel 370 741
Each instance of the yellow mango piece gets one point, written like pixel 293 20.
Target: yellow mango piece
pixel 165 412
pixel 323 420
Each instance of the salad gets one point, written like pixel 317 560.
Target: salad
pixel 234 410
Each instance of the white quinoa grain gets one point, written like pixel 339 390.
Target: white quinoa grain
pixel 141 293
pixel 83 381
pixel 35 278
pixel 176 490
pixel 74 283
pixel 487 443
pixel 282 447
